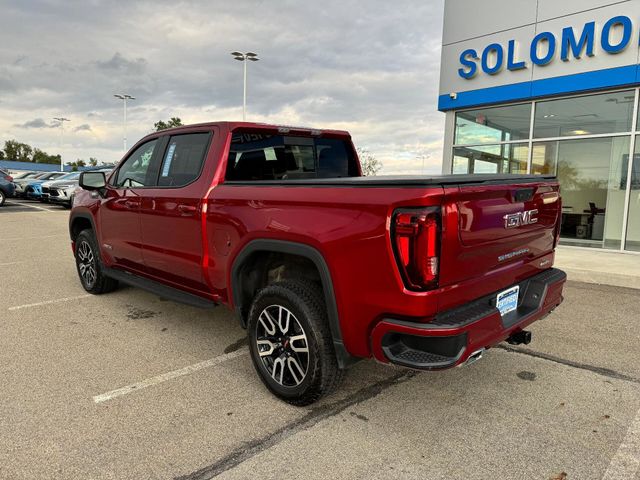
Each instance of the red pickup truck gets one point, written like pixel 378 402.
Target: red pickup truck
pixel 322 265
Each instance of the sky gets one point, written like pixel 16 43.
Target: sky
pixel 368 66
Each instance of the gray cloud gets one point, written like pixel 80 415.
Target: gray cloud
pixel 120 63
pixel 371 67
pixel 85 127
pixel 36 123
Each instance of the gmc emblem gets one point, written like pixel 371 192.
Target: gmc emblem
pixel 514 220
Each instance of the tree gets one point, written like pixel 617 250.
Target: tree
pixel 77 164
pixel 43 157
pixel 93 161
pixel 162 125
pixel 369 163
pixel 20 152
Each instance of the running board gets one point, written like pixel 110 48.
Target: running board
pixel 159 289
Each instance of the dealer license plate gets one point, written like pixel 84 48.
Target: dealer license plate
pixel 507 301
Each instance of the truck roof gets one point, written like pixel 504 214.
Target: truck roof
pixel 231 125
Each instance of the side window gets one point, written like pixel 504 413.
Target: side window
pixel 183 159
pixel 134 171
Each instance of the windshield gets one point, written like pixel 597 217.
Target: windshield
pixel 24 175
pixel 260 156
pixel 69 176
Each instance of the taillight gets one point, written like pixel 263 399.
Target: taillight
pixel 8 178
pixel 415 234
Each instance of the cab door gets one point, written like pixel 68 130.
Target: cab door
pixel 170 212
pixel 119 222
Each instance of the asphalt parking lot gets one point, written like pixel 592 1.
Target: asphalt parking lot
pixel 130 386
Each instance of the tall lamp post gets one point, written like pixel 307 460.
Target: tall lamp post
pixel 61 120
pixel 124 97
pixel 245 58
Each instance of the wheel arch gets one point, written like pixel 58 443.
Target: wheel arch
pixel 241 300
pixel 79 221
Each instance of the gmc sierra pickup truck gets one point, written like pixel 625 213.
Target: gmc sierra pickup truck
pixel 322 265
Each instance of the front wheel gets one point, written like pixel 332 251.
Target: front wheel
pixel 3 197
pixel 291 344
pixel 89 265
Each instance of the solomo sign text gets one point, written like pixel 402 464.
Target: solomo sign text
pixel 571 44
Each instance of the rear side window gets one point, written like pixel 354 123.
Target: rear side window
pixel 183 159
pixel 258 156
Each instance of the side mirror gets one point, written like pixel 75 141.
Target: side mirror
pixel 92 180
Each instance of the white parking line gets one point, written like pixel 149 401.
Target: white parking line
pixel 169 376
pixel 48 302
pixel 9 263
pixel 626 462
pixel 31 206
pixel 35 237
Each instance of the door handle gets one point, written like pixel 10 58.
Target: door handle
pixel 187 209
pixel 131 204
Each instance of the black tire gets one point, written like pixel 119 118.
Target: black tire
pixel 304 301
pixel 89 265
pixel 3 197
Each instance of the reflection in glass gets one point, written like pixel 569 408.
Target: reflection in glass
pixel 590 173
pixel 593 114
pixel 505 158
pixel 633 225
pixel 493 125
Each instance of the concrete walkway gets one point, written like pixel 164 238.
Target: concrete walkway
pixel 599 266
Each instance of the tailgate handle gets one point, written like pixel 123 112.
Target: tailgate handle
pixel 524 194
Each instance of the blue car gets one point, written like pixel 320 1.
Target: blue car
pixel 33 189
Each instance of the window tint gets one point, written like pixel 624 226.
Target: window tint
pixel 134 171
pixel 593 114
pixel 183 159
pixel 492 125
pixel 257 156
pixel 501 158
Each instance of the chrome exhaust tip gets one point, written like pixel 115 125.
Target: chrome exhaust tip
pixel 474 357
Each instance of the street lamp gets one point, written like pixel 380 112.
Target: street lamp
pixel 245 58
pixel 124 97
pixel 61 120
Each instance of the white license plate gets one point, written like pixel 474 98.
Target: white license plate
pixel 507 301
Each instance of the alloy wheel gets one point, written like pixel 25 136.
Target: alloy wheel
pixel 86 264
pixel 282 345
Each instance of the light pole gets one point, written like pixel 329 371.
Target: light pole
pixel 245 58
pixel 124 97
pixel 61 120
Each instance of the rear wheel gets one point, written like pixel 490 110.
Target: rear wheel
pixel 89 265
pixel 291 344
pixel 3 197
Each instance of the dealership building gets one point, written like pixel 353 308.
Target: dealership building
pixel 550 87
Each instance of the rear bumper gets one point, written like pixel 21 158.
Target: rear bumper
pixel 452 336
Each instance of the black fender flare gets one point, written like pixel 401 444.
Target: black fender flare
pixel 84 215
pixel 302 250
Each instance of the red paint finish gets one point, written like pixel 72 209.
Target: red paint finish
pixel 189 238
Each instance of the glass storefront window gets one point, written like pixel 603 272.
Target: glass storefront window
pixel 493 125
pixel 593 114
pixel 504 158
pixel 590 176
pixel 633 224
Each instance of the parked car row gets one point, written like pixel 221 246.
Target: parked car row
pixel 53 187
pixel 7 187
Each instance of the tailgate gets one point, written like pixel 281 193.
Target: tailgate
pixel 491 227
